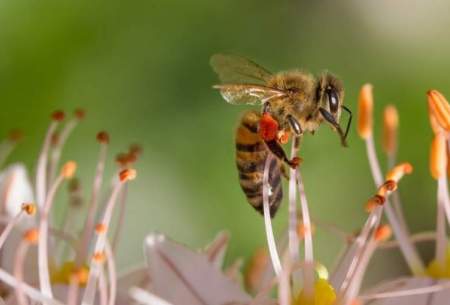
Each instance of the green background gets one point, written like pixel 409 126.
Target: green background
pixel 140 69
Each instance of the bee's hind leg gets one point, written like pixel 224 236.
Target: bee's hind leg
pixel 278 151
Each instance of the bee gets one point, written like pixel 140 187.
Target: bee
pixel 294 102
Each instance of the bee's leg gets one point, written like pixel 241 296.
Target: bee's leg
pixel 278 151
pixel 330 119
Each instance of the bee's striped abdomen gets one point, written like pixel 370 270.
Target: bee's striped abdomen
pixel 251 154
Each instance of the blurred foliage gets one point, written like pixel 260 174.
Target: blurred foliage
pixel 140 68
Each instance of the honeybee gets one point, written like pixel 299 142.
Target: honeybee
pixel 296 101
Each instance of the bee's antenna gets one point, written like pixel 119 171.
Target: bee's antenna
pixel 330 119
pixel 349 123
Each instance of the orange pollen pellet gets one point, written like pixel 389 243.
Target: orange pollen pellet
pixel 100 228
pixel 268 127
pixel 69 169
pixel 438 156
pixel 374 202
pixel 31 236
pixel 80 113
pixel 58 116
pixel 29 208
pixel 81 275
pixel 398 171
pixel 390 125
pixel 383 233
pixel 15 135
pixel 440 108
pixel 365 109
pixel 99 257
pixel 127 174
pixel 103 137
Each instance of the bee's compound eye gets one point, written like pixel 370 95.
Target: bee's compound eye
pixel 333 99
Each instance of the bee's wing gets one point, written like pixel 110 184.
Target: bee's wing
pixel 239 94
pixel 237 69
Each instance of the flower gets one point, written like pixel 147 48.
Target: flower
pixel 51 265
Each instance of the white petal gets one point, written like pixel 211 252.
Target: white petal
pixel 15 188
pixel 216 250
pixel 137 277
pixel 409 288
pixel 184 277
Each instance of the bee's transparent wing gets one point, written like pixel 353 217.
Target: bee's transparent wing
pixel 248 94
pixel 237 69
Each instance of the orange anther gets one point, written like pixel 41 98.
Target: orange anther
pixel 374 202
pixel 268 127
pixel 99 257
pixel 81 275
pixel 69 169
pixel 100 228
pixel 58 116
pixel 103 137
pixel 31 236
pixel 438 156
pixel 283 136
pixel 29 208
pixel 440 108
pixel 127 175
pixel 80 113
pixel 390 125
pixel 365 109
pixel 398 171
pixel 383 233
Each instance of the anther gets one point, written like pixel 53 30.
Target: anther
pixel 58 116
pixel 398 171
pixel 100 228
pixel 69 169
pixel 15 135
pixel 99 257
pixel 79 113
pixel 440 108
pixel 438 156
pixel 82 275
pixel 383 233
pixel 390 125
pixel 103 137
pixel 127 175
pixel 31 236
pixel 365 109
pixel 29 208
pixel 374 202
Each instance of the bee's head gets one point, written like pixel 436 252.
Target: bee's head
pixel 330 93
pixel 330 96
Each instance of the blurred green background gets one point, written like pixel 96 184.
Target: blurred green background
pixel 140 69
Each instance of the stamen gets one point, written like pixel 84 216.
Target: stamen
pixel 79 114
pixel 435 126
pixel 112 274
pixel 30 238
pixel 72 294
pixel 99 247
pixel 293 236
pixel 27 208
pixel 365 109
pixel 308 271
pixel 103 139
pixel 440 108
pixel 267 220
pixel 390 125
pixel 256 273
pixel 7 146
pixel 67 171
pixel 121 215
pixel 41 176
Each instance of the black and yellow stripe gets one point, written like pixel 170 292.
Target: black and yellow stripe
pixel 251 155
